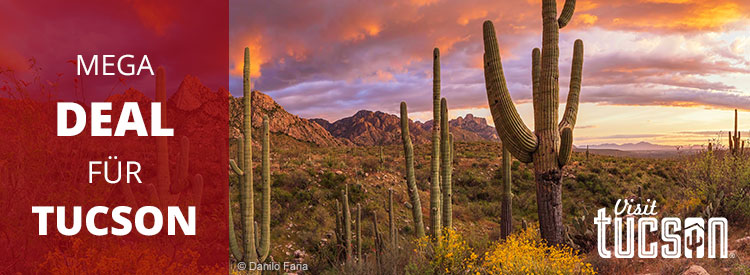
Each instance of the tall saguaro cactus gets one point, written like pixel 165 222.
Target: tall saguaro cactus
pixel 550 145
pixel 169 188
pixel 252 252
pixel 411 184
pixel 506 219
pixel 446 166
pixel 435 161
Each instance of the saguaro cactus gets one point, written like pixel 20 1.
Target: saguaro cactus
pixel 435 162
pixel 411 185
pixel 550 145
pixel 339 223
pixel 736 144
pixel 391 219
pixel 587 151
pixel 378 241
pixel 252 252
pixel 506 219
pixel 359 233
pixel 446 165
pixel 183 181
pixel 167 190
pixel 382 158
pixel 347 222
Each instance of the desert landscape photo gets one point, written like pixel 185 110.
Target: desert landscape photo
pixel 479 137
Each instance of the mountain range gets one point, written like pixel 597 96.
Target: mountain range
pixel 364 128
pixel 640 146
pixel 377 128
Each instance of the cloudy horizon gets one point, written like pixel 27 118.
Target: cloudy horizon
pixel 653 69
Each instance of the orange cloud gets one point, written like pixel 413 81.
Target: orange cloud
pixel 356 33
pixel 671 15
pixel 465 18
pixel 257 57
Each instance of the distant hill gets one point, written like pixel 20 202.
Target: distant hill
pixel 373 128
pixel 280 121
pixel 640 146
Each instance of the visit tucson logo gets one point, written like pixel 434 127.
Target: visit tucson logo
pixel 670 237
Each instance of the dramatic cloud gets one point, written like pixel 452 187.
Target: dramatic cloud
pixel 330 58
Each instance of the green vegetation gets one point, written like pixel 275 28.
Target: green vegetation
pixel 306 189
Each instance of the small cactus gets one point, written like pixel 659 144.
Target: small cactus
pixel 507 208
pixel 587 152
pixel 736 144
pixel 582 233
pixel 382 159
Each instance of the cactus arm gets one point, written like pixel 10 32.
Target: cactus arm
pixel 236 169
pixel 511 129
pixel 571 107
pixel 731 142
pixel 265 230
pixel 435 161
pixel 567 13
pixel 234 247
pixel 566 145
pixel 411 185
pixel 256 239
pixel 446 163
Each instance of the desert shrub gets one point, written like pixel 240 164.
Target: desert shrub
pixel 371 164
pixel 722 182
pixel 449 254
pixel 514 166
pixel 469 178
pixel 295 179
pixel 331 180
pixel 525 253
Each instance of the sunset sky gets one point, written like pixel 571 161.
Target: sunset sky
pixel 662 71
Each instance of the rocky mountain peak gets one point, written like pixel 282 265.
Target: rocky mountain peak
pixel 280 121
